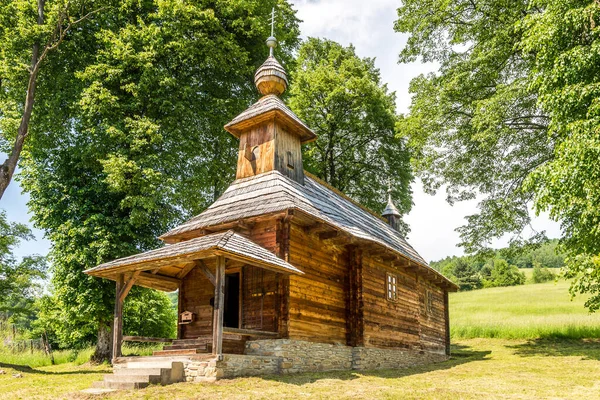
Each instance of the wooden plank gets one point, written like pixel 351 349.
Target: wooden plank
pixel 118 319
pixel 207 272
pixel 186 270
pixel 146 339
pixel 127 287
pixel 250 332
pixel 168 279
pixel 217 347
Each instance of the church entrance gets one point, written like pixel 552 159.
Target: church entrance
pixel 231 317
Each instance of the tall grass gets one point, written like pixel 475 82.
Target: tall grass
pixel 542 310
pixel 38 358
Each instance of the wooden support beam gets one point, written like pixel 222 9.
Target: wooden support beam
pixel 207 272
pixel 165 278
pixel 447 322
pixel 127 287
pixel 186 270
pixel 219 310
pixel 155 271
pixel 118 320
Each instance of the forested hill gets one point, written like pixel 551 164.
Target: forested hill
pixel 502 267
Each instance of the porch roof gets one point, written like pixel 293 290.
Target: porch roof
pixel 183 256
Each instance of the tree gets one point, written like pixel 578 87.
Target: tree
pixel 135 143
pixel 342 98
pixel 30 30
pixel 461 272
pixel 511 116
pixel 541 274
pixel 563 42
pixel 503 274
pixel 19 280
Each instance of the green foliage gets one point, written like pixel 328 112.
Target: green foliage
pixel 127 137
pixel 564 41
pixel 503 274
pixel 542 274
pixel 342 98
pixel 19 280
pixel 464 274
pixel 512 115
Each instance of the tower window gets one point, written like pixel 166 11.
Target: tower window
pixel 392 287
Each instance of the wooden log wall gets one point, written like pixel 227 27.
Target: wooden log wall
pixel 196 292
pixel 317 299
pixel 406 322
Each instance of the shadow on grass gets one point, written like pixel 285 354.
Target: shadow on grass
pixel 29 370
pixel 589 349
pixel 460 355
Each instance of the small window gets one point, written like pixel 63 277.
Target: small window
pixel 392 287
pixel 428 302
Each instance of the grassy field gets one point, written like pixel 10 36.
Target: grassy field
pixel 524 342
pixel 479 368
pixel 522 312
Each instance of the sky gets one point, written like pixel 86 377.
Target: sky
pixel 368 25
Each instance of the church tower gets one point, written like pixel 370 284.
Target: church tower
pixel 271 135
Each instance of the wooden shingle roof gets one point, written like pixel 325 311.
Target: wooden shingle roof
pixel 270 106
pixel 227 243
pixel 273 192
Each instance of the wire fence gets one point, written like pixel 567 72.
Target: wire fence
pixel 11 340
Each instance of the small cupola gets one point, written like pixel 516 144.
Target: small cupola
pixel 391 213
pixel 271 135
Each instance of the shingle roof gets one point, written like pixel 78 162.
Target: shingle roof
pixel 273 192
pixel 226 242
pixel 264 107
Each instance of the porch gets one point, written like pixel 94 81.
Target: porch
pixel 229 292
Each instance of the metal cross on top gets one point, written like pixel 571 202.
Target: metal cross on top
pixel 271 41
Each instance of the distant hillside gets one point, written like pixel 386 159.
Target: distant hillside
pixel 503 267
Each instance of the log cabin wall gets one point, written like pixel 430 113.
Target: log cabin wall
pixel 259 290
pixel 415 319
pixel 317 299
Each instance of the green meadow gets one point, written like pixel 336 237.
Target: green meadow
pixel 543 310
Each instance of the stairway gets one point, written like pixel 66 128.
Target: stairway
pixel 232 344
pixel 140 374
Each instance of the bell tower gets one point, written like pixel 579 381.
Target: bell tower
pixel 271 135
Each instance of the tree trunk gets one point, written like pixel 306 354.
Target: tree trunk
pixel 103 351
pixel 7 169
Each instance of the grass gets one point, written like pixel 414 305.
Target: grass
pixel 542 310
pixel 479 368
pixel 76 357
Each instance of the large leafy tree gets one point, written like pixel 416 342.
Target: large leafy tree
pixel 511 115
pixel 19 279
pixel 341 97
pixel 135 143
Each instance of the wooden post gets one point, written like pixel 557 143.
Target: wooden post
pixel 283 281
pixel 354 296
pixel 447 318
pixel 217 347
pixel 180 327
pixel 118 320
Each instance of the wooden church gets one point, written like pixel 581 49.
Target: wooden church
pixel 283 265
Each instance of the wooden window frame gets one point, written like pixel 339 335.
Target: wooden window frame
pixel 391 287
pixel 428 302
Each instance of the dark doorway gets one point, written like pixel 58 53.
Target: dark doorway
pixel 231 319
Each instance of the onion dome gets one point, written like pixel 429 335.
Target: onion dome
pixel 391 213
pixel 271 78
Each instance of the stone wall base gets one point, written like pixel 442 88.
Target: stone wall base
pixel 285 356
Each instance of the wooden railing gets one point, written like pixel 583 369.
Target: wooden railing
pixel 146 339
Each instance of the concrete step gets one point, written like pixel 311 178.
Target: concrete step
pixel 120 385
pixel 154 379
pixel 180 352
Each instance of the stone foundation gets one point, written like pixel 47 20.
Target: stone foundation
pixel 285 356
